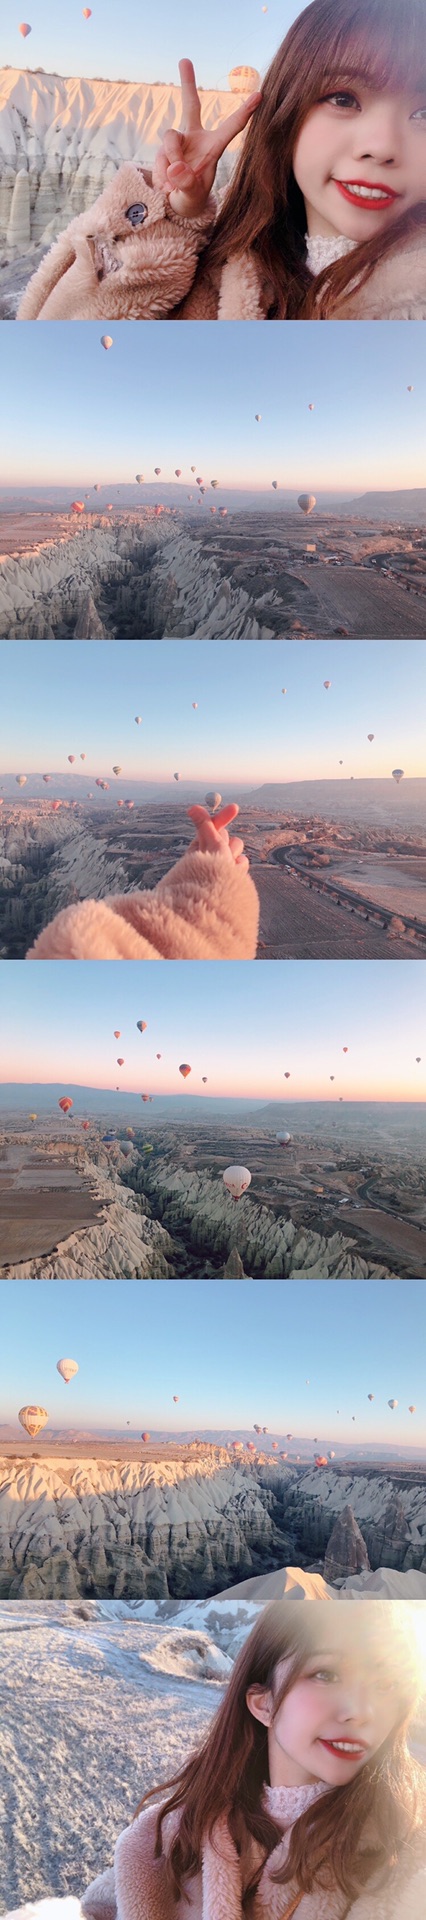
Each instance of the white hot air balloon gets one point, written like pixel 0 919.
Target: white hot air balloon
pixel 245 80
pixel 237 1180
pixel 392 1404
pixel 106 342
pixel 213 800
pixel 306 502
pixel 67 1369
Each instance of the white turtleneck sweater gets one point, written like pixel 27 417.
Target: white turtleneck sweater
pixel 323 249
pixel 286 1804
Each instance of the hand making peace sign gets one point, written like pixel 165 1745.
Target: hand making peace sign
pixel 185 164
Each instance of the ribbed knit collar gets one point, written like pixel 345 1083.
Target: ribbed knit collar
pixel 286 1804
pixel 323 249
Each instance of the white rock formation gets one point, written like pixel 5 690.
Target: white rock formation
pixel 122 1244
pixel 69 135
pixel 270 1248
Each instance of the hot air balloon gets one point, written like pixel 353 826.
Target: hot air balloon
pixel 56 804
pixel 185 1070
pixel 289 1436
pixel 67 1368
pixel 33 1419
pixel 32 1116
pixel 283 1139
pixel 397 774
pixel 141 1026
pixel 157 470
pixel 213 800
pixel 274 1445
pixel 345 1049
pixel 176 776
pixel 392 1404
pixel 145 1098
pixel 85 1125
pixel 258 416
pixel 251 1446
pixel 274 484
pixel 332 1456
pixel 97 487
pixel 116 770
pixel 256 1429
pixel 71 757
pixel 265 1429
pixel 77 506
pixel 410 389
pixel 120 1063
pixel 106 341
pixel 178 471
pixel 47 777
pixel 311 406
pixel 140 479
pixel 138 719
pixel 370 1396
pixel 236 1180
pixel 129 804
pixel 306 502
pixel 65 1103
pixel 244 80
pixel 82 756
pixel 326 684
pixel 24 29
pixel 287 1076
pixel 411 1409
pixel 21 779
pixel 418 1059
pixel 145 1436
pixel 332 1076
pixel 223 513
pixel 175 1398
pixel 214 483
pixel 204 1079
pixel 117 1033
pixel 370 736
pixel 321 1460
pixel 87 13
pixel 158 1056
pixel 194 704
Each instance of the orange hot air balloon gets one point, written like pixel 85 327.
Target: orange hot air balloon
pixel 117 1034
pixel 185 1070
pixel 33 1418
pixel 25 29
pixel 56 804
pixel 145 1436
pixel 77 506
pixel 321 1460
pixel 65 1103
pixel 141 1026
pixel 87 13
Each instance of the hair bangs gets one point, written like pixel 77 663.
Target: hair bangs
pixel 381 45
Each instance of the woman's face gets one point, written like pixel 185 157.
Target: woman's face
pixel 360 160
pixel 333 1720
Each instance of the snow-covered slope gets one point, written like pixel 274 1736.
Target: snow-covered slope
pixel 62 139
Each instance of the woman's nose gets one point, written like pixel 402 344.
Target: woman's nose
pixel 380 139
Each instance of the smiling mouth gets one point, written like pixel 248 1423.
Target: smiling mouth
pixel 362 193
pixel 345 1749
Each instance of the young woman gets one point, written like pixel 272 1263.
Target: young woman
pixel 304 1797
pixel 324 218
pixel 205 908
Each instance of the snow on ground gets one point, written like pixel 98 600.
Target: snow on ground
pixel 93 1712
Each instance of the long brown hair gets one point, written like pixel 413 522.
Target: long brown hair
pixel 226 1778
pixel 333 42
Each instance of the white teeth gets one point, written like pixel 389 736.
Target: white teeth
pixel 364 193
pixel 345 1746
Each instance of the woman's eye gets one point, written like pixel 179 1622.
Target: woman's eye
pixel 341 100
pixel 324 1673
pixel 420 114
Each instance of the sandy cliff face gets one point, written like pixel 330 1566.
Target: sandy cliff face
pixel 123 1243
pixel 269 1248
pixel 62 139
pixel 152 578
pixel 133 1530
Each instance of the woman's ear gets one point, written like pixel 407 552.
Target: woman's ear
pixel 259 1703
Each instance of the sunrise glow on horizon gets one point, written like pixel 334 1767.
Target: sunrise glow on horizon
pixel 132 409
pixel 241 1025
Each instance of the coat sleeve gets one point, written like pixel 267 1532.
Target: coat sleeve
pixel 206 908
pixel 99 1902
pixel 106 267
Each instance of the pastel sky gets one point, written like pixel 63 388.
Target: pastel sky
pixel 241 1024
pixel 137 1345
pixel 59 701
pixel 141 40
pixel 72 413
